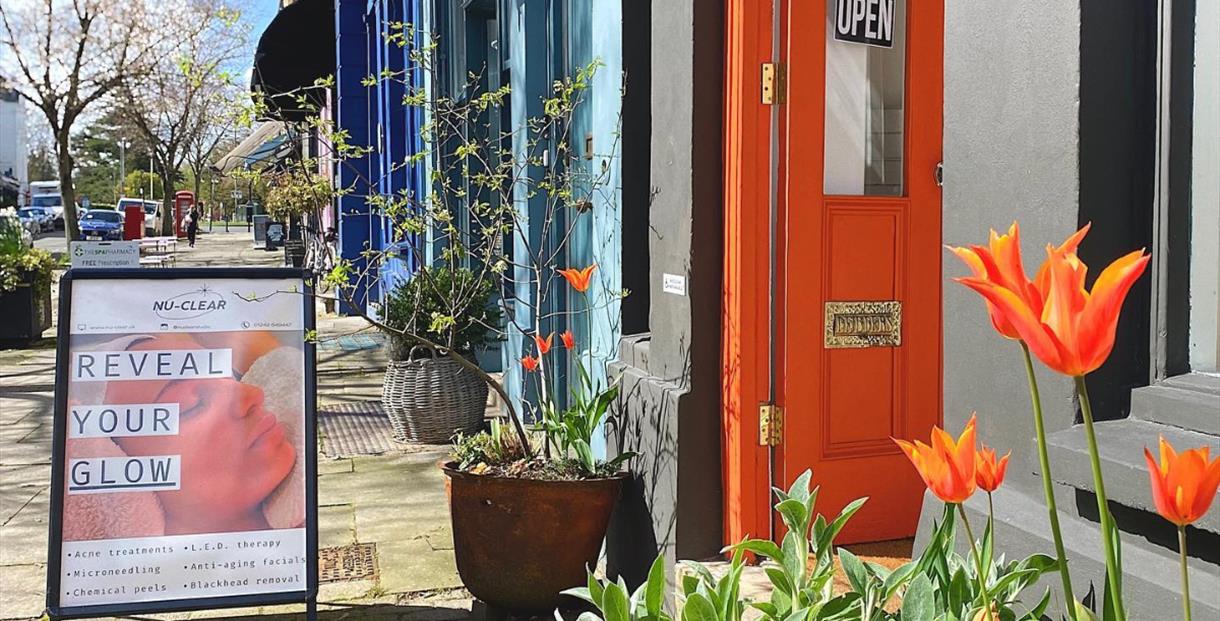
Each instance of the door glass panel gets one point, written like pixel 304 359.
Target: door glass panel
pixel 865 95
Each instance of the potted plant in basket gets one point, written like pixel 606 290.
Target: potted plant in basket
pixel 25 283
pixel 430 397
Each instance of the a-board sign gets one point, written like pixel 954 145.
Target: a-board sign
pixel 103 254
pixel 870 22
pixel 184 463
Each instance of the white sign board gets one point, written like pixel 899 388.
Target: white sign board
pixel 92 255
pixel 673 283
pixel 182 443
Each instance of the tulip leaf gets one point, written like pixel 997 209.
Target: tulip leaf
pixel 761 547
pixel 919 604
pixel 794 514
pixel 582 593
pixel 654 588
pixel 800 487
pixel 615 605
pixel 697 608
pixel 856 573
pixel 897 578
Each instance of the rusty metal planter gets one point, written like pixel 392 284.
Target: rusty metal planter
pixel 520 542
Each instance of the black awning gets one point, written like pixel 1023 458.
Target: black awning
pixel 296 49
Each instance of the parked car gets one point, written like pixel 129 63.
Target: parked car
pixel 36 219
pixel 102 225
pixel 52 204
pixel 151 209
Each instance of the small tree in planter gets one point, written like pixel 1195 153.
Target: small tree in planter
pixel 25 283
pixel 529 511
pixel 428 397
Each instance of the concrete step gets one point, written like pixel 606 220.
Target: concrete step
pixel 1121 445
pixel 1190 401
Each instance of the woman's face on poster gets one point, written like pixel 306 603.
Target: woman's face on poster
pixel 234 452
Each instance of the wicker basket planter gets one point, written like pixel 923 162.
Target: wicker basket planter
pixel 430 400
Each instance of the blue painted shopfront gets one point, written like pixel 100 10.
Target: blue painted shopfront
pixel 526 44
pixel 373 116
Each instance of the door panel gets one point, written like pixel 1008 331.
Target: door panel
pixel 864 123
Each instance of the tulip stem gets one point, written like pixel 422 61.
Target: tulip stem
pixel 1048 486
pixel 1111 543
pixel 978 559
pixel 1185 573
pixel 991 519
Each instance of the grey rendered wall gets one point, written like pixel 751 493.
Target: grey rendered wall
pixel 1011 149
pixel 669 412
pixel 1011 130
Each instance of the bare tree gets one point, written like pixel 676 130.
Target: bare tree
pixel 65 56
pixel 170 105
pixel 220 111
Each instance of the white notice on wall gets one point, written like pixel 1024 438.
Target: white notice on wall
pixel 673 283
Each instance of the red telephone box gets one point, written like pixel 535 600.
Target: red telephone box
pixel 183 202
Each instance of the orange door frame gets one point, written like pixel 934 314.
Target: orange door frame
pixel 746 355
pixel 745 307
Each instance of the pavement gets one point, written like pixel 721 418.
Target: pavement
pixel 395 501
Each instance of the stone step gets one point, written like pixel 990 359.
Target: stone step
pixel 1190 401
pixel 1121 445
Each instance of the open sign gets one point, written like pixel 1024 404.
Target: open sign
pixel 870 22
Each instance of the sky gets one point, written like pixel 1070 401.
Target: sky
pixel 257 14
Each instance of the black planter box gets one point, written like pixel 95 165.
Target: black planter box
pixel 26 311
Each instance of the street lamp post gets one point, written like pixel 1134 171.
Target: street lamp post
pixel 211 203
pixel 122 165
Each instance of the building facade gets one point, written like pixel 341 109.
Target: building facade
pixel 525 46
pixel 14 146
pixel 806 217
pixel 782 178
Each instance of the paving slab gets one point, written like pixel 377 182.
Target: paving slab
pixel 22 595
pixel 23 537
pixel 336 525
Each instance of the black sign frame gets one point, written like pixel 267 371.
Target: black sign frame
pixel 861 38
pixel 59 446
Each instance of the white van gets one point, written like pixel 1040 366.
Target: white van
pixel 46 195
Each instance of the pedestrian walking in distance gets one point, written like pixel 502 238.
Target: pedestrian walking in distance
pixel 192 225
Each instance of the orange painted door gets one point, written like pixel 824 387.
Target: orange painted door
pixel 860 213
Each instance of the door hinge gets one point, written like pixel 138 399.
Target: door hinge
pixel 774 83
pixel 770 424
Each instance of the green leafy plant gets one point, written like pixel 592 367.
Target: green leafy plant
pixel 450 308
pixel 571 430
pixel 800 591
pixel 615 602
pixel 704 596
pixel 492 448
pixel 19 263
pixel 955 584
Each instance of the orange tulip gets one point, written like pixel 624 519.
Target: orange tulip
pixel 569 341
pixel 531 363
pixel 1073 331
pixel 1183 485
pixel 579 279
pixel 544 345
pixel 1000 264
pixel 947 466
pixel 989 473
